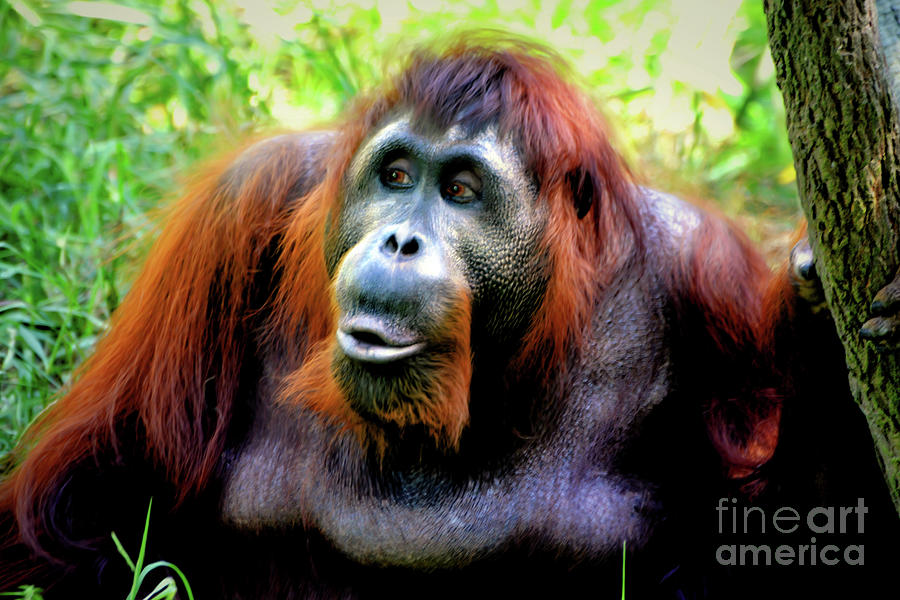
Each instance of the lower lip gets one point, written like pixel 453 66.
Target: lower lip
pixel 372 353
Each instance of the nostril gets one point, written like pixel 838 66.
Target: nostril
pixel 402 245
pixel 391 244
pixel 410 247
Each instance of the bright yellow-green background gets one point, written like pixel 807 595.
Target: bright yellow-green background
pixel 102 105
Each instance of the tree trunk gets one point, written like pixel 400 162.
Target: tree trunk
pixel 843 128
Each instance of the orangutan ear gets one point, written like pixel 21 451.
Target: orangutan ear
pixel 584 192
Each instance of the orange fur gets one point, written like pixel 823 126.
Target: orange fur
pixel 172 357
pixel 440 402
pixel 725 281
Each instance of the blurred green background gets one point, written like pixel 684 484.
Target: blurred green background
pixel 104 105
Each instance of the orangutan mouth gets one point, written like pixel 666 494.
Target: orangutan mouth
pixel 371 339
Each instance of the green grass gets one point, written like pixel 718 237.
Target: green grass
pixel 25 592
pixel 88 143
pixel 167 588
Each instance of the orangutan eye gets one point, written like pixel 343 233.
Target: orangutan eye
pixel 459 192
pixel 397 177
pixel 397 174
pixel 463 187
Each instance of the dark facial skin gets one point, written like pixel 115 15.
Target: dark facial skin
pixel 428 220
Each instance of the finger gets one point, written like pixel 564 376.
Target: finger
pixel 887 300
pixel 881 330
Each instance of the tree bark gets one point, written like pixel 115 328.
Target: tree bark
pixel 843 128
